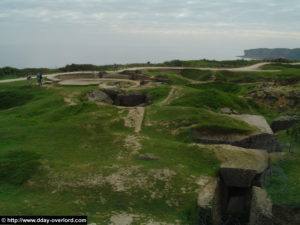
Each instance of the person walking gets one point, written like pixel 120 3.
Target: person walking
pixel 39 79
pixel 28 78
pixel 115 67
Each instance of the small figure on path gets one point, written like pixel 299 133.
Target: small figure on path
pixel 115 67
pixel 39 79
pixel 28 78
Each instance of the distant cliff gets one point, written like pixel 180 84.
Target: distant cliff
pixel 269 54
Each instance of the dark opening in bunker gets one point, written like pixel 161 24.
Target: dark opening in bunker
pixel 130 99
pixel 237 206
pixel 233 197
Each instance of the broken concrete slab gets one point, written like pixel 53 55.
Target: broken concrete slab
pixel 263 138
pixel 256 121
pixel 237 177
pixel 207 188
pixel 283 123
pixel 99 96
pixel 261 208
pixel 240 158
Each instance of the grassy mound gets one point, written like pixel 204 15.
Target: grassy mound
pixel 212 124
pixel 173 76
pixel 157 94
pixel 211 98
pixel 18 166
pixel 13 98
pixel 221 86
pixel 200 120
pixel 280 66
pixel 200 75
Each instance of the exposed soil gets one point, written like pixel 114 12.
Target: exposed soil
pixel 135 118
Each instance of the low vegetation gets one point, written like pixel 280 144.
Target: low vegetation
pixel 63 155
pixel 199 75
pixel 211 98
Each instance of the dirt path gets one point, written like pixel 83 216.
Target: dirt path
pixel 135 118
pixel 253 68
pixel 170 95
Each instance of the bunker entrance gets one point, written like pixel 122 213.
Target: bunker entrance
pixel 237 206
pixel 129 100
pixel 233 196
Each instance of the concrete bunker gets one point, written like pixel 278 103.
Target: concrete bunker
pixel 263 138
pixel 238 198
pixel 120 99
pixel 239 201
pixel 129 99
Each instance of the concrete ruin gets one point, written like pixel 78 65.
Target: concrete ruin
pixel 263 138
pixel 283 123
pixel 120 99
pixel 237 197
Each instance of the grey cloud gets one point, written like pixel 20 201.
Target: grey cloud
pixel 38 26
pixel 139 13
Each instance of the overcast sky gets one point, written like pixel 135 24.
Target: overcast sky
pixel 53 33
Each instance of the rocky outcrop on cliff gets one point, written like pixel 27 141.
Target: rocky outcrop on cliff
pixel 270 54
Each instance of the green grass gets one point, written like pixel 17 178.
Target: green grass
pixel 173 76
pixel 284 185
pixel 6 77
pixel 9 99
pixel 189 120
pixel 158 94
pixel 198 75
pixel 286 73
pixel 17 167
pixel 60 159
pixel 221 86
pixel 55 156
pixel 211 98
pixel 285 178
pixel 280 66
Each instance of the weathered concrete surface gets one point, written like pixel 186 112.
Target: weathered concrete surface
pixel 220 203
pixel 263 138
pixel 115 76
pixel 99 96
pixel 264 141
pixel 256 121
pixel 79 82
pixel 283 123
pixel 88 75
pixel 134 99
pixel 206 198
pixel 240 166
pixel 240 158
pixel 207 186
pixel 261 208
pixel 238 177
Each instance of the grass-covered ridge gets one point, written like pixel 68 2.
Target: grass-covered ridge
pixel 67 156
pixel 184 119
pixel 210 98
pixel 17 167
pixel 198 75
pixel 74 159
pixel 221 86
pixel 9 99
